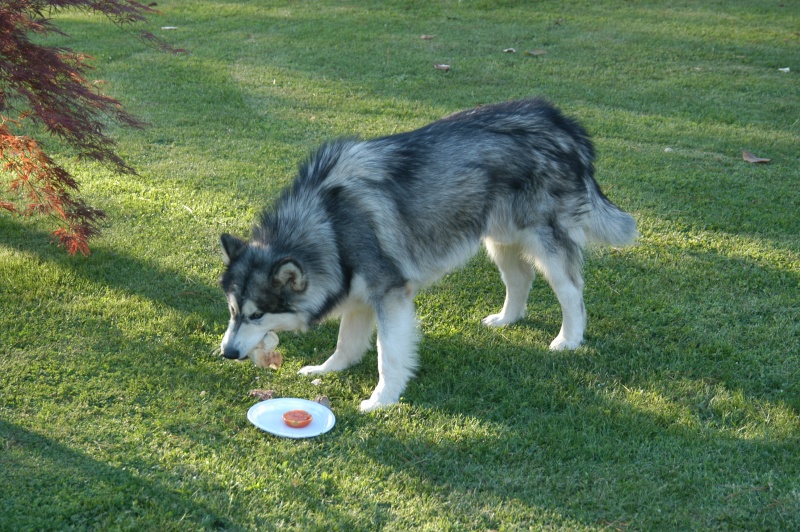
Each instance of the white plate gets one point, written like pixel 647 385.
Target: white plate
pixel 268 416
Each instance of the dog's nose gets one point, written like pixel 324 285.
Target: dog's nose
pixel 230 352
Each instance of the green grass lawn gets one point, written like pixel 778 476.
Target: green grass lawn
pixel 681 411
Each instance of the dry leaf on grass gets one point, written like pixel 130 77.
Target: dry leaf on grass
pixel 324 401
pixel 427 37
pixel 509 50
pixel 440 66
pixel 536 52
pixel 750 158
pixel 262 395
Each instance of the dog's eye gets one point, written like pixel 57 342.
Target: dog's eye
pixel 255 316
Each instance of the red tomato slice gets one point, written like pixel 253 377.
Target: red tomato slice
pixel 297 419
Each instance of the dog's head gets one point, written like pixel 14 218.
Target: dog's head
pixel 261 289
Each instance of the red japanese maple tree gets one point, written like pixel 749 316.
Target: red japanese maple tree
pixel 45 88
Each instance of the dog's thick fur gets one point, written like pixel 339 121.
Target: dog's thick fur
pixel 367 224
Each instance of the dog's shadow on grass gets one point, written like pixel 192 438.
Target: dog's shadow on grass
pixel 554 429
pixel 654 398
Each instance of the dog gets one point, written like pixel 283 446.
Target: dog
pixel 367 224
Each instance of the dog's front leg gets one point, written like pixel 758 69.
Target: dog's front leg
pixel 398 337
pixel 355 338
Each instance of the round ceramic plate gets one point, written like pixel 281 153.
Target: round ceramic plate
pixel 268 416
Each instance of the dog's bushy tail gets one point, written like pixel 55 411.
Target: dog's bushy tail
pixel 607 223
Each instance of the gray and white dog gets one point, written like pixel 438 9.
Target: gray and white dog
pixel 367 224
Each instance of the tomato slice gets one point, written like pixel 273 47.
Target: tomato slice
pixel 297 419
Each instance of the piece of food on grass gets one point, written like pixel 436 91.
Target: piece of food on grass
pixel 264 354
pixel 297 419
pixel 324 401
pixel 263 395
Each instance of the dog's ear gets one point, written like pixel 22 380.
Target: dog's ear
pixel 232 247
pixel 288 273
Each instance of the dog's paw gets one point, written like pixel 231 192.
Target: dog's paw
pixel 562 344
pixel 380 399
pixel 497 320
pixel 371 405
pixel 312 370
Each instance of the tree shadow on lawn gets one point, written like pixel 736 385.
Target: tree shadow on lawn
pixel 84 493
pixel 108 267
pixel 574 445
pixel 719 193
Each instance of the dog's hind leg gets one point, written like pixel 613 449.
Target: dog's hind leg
pixel 559 259
pixel 517 274
pixel 398 337
pixel 355 338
